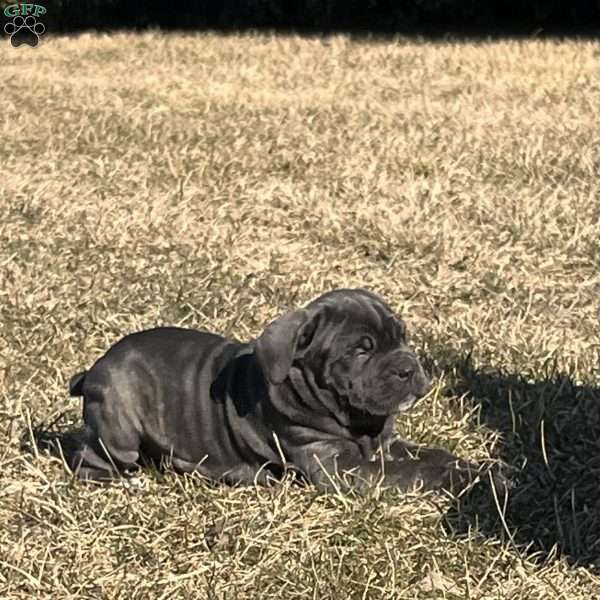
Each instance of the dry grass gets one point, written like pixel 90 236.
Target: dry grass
pixel 216 182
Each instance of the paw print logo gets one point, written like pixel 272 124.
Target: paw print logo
pixel 24 30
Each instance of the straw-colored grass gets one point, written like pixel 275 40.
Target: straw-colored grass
pixel 218 181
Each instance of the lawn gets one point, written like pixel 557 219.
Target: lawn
pixel 218 181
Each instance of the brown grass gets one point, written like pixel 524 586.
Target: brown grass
pixel 216 182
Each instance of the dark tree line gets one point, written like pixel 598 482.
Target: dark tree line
pixel 376 16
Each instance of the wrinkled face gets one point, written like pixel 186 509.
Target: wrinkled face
pixel 358 349
pixel 353 345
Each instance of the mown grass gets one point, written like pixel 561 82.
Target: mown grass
pixel 218 181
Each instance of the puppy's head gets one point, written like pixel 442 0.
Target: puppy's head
pixel 353 345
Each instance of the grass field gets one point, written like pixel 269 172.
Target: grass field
pixel 216 182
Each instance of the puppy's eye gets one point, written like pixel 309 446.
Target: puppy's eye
pixel 403 375
pixel 366 344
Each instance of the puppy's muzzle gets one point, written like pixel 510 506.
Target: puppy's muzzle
pixel 406 367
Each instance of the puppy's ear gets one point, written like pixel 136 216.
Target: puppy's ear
pixel 396 322
pixel 277 345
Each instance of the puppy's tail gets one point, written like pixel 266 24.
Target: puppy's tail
pixel 76 384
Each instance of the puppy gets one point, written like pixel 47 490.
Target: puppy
pixel 317 392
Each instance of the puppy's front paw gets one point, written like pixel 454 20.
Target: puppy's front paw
pixel 464 475
pixel 450 474
pixel 459 476
pixel 494 474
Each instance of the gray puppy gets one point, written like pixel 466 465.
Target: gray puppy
pixel 317 392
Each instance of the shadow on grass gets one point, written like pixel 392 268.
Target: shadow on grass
pixel 56 439
pixel 551 436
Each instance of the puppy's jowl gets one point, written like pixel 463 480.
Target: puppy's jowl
pixel 318 391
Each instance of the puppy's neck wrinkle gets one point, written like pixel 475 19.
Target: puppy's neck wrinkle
pixel 320 400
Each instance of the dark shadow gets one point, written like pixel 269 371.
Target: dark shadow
pixel 550 435
pixel 423 18
pixel 57 438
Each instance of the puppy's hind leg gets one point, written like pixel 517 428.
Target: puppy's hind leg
pixel 90 461
pixel 109 446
